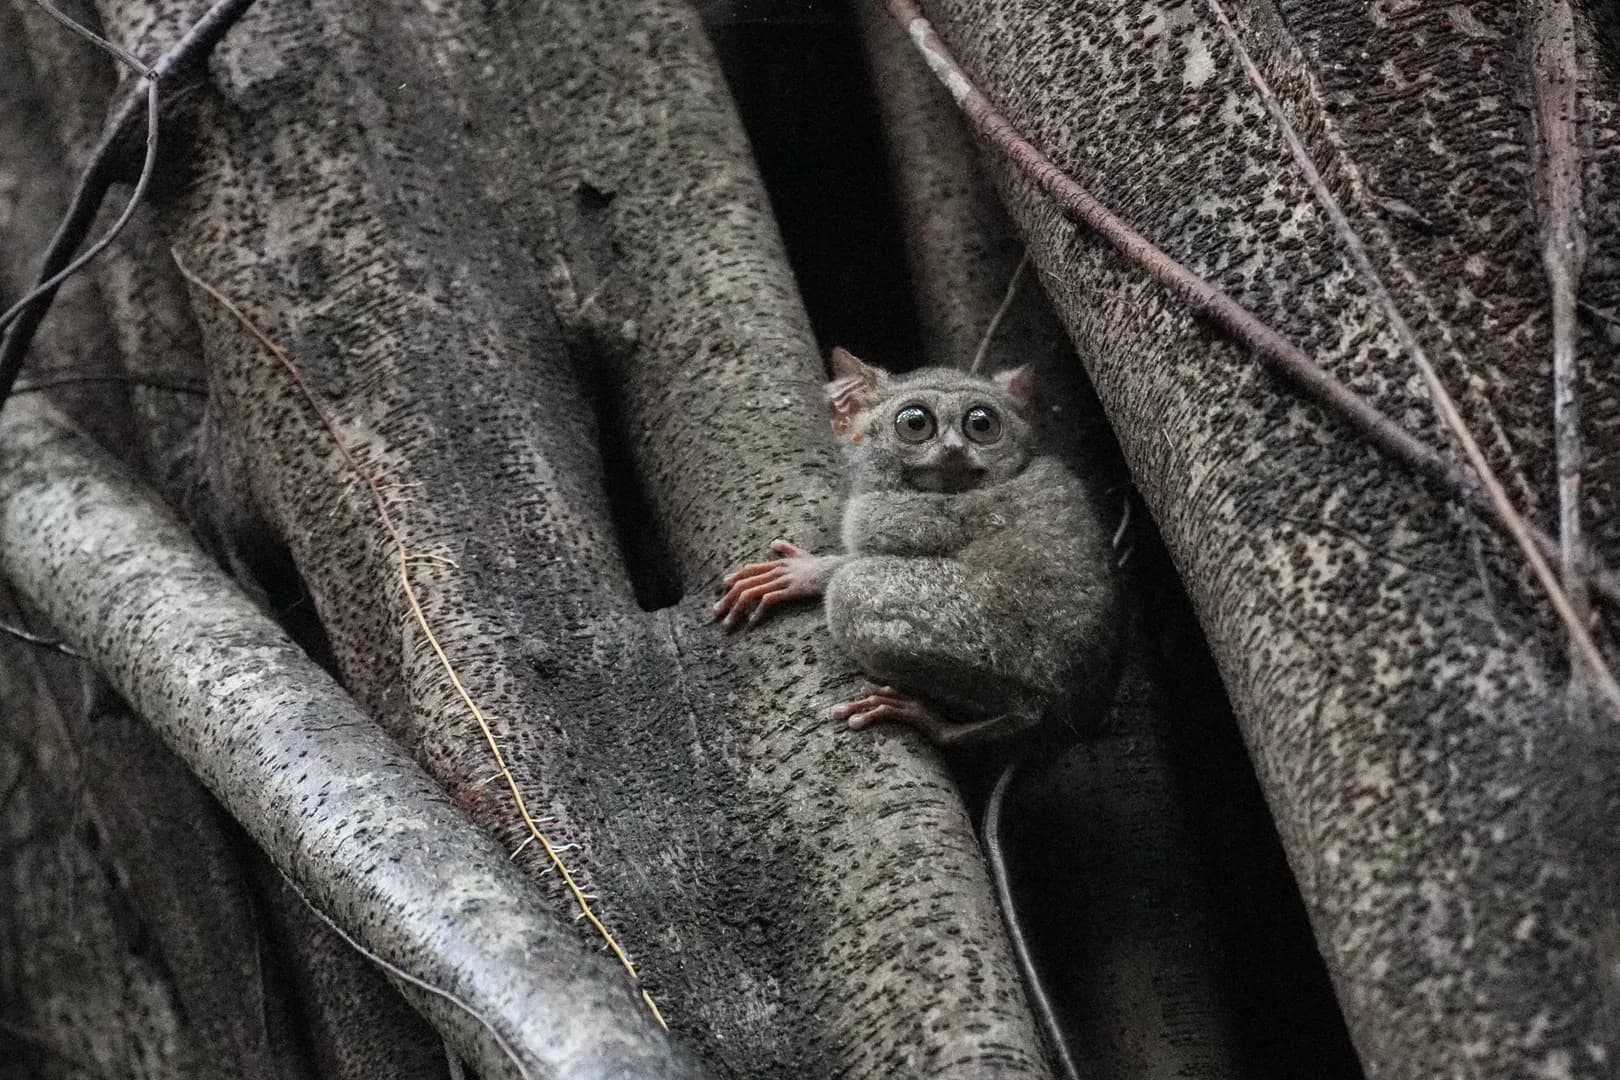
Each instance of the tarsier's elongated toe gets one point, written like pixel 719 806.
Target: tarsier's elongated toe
pixel 887 703
pixel 752 591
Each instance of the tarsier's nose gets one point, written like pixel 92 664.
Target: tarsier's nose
pixel 954 460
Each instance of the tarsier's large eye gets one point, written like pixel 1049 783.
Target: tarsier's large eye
pixel 981 424
pixel 914 424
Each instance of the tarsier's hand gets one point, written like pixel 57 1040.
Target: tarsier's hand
pixel 752 591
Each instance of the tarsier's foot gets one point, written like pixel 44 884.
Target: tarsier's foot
pixel 755 589
pixel 886 703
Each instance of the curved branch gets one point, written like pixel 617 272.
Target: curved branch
pixel 340 808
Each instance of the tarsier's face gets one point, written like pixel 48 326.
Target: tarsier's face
pixel 937 429
pixel 946 438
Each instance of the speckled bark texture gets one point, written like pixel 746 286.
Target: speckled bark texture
pixel 362 832
pixel 1399 681
pixel 520 252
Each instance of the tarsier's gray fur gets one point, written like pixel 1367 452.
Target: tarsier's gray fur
pixel 976 585
pixel 994 603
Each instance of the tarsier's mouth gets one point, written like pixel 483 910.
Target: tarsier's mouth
pixel 943 478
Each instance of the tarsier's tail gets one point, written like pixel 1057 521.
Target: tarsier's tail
pixel 993 837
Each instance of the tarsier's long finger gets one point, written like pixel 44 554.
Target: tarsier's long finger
pixel 886 703
pixel 735 609
pixel 853 708
pixel 749 570
pixel 783 547
pixel 723 605
pixel 741 586
pixel 748 599
pixel 881 695
pixel 875 715
pixel 770 600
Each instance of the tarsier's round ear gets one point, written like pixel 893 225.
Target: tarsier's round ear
pixel 1019 382
pixel 854 386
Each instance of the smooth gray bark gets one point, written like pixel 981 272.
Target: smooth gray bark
pixel 360 830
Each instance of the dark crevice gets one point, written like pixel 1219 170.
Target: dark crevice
pixel 268 563
pixel 796 71
pixel 648 558
pixel 601 350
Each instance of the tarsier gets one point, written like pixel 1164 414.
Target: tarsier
pixel 976 588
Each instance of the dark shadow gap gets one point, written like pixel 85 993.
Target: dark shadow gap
pixel 268 564
pixel 797 74
pixel 646 553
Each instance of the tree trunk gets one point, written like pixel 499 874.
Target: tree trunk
pixel 1397 673
pixel 522 259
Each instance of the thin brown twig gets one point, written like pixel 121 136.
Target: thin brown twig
pixel 22 320
pixel 1270 348
pixel 1555 78
pixel 179 384
pixel 404 559
pixel 1001 313
pixel 1572 611
pixel 421 984
pixel 43 641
